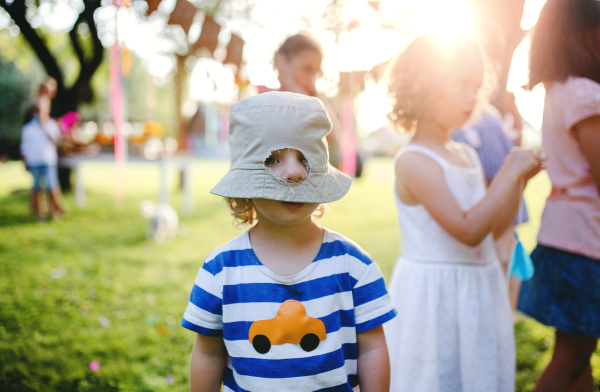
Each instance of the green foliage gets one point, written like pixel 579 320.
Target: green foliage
pixel 17 50
pixel 13 100
pixel 140 95
pixel 60 282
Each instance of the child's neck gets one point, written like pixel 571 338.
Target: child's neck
pixel 435 136
pixel 286 250
pixel 431 133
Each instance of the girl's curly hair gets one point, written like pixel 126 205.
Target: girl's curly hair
pixel 244 213
pixel 416 76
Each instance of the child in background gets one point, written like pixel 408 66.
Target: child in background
pixel 38 151
pixel 454 331
pixel 288 305
pixel 565 290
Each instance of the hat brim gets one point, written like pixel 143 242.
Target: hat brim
pixel 319 187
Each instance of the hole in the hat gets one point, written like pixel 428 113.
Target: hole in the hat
pixel 288 165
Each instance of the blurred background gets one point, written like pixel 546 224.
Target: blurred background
pixel 170 69
pixel 92 301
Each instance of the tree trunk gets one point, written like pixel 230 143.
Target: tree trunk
pixel 67 98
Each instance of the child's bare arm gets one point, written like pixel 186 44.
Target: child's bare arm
pixel 423 180
pixel 207 365
pixel 588 134
pixel 373 361
pixel 511 210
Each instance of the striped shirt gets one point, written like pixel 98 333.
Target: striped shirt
pixel 342 290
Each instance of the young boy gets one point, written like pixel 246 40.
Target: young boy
pixel 288 305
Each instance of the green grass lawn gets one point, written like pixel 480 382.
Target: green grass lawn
pixel 92 288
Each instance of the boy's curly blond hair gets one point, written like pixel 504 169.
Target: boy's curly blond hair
pixel 243 211
pixel 416 76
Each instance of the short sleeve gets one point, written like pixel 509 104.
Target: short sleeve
pixel 372 304
pixel 583 101
pixel 204 313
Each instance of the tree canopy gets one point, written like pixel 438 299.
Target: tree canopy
pixel 87 48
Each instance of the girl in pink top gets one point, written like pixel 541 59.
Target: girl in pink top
pixel 565 289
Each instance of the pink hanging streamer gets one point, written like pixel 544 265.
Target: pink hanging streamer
pixel 116 112
pixel 347 137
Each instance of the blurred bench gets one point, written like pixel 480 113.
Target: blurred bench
pixel 179 162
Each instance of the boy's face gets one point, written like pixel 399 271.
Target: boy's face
pixel 291 166
pixel 288 164
pixel 282 213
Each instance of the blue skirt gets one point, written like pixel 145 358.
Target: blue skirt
pixel 564 292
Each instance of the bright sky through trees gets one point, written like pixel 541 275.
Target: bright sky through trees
pixel 364 38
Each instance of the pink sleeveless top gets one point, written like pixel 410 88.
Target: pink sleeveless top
pixel 571 218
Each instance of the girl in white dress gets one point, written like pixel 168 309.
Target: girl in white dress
pixel 454 328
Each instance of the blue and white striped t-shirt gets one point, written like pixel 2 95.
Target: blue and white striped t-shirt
pixel 342 289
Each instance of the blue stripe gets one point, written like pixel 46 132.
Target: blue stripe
pixel 246 257
pixel 295 367
pixel 206 301
pixel 201 330
pixel 240 330
pixel 278 293
pixel 369 292
pixel 341 248
pixel 376 322
pixel 338 319
pixel 230 258
pixel 350 350
pixel 230 383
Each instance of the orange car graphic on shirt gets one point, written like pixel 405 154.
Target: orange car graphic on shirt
pixel 290 325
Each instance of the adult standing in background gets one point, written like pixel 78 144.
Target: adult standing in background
pixel 298 62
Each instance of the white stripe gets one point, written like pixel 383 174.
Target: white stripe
pixel 256 273
pixel 333 342
pixel 298 384
pixel 369 276
pixel 238 243
pixel 373 309
pixel 202 318
pixel 210 283
pixel 317 308
pixel 322 268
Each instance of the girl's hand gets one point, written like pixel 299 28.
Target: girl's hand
pixel 542 158
pixel 524 162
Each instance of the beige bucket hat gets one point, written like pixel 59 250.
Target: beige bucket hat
pixel 273 121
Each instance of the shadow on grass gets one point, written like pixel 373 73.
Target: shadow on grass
pixel 14 209
pixel 534 343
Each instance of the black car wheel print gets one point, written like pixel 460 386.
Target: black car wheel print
pixel 309 342
pixel 261 344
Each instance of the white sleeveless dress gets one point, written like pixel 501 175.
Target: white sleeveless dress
pixel 454 329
